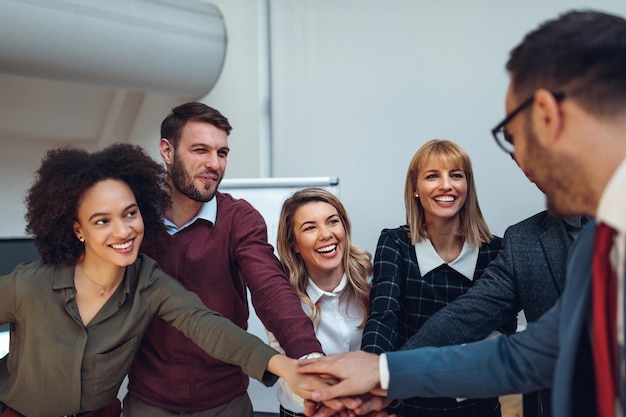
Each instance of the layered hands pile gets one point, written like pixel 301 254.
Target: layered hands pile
pixel 344 385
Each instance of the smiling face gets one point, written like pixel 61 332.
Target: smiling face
pixel 198 163
pixel 442 189
pixel 320 240
pixel 110 223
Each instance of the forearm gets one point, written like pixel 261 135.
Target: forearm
pixel 504 365
pixel 487 306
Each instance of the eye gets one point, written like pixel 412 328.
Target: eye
pixel 223 153
pixel 132 213
pixel 507 136
pixel 458 175
pixel 333 221
pixel 431 176
pixel 101 221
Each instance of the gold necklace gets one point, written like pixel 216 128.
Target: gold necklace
pixel 102 288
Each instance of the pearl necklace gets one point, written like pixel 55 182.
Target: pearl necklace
pixel 102 288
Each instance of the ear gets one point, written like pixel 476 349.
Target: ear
pixel 167 151
pixel 77 230
pixel 547 118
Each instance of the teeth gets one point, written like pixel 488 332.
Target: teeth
pixel 123 246
pixel 445 199
pixel 327 249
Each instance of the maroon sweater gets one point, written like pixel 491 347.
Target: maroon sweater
pixel 217 262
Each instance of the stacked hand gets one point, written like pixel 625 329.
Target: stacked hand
pixel 353 386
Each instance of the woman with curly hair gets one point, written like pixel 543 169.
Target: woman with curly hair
pixel 329 274
pixel 77 315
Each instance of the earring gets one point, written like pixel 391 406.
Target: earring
pixel 417 195
pixel 82 239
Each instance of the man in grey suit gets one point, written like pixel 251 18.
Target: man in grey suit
pixel 566 127
pixel 528 274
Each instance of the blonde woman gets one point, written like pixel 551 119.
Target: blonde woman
pixel 422 266
pixel 329 274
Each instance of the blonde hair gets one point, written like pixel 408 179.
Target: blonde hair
pixel 474 228
pixel 357 262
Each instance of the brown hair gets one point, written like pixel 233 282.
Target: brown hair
pixel 172 126
pixel 357 262
pixel 581 54
pixel 474 228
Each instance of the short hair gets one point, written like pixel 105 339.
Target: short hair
pixel 63 178
pixel 581 54
pixel 172 126
pixel 474 228
pixel 357 262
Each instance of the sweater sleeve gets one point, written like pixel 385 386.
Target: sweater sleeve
pixel 274 299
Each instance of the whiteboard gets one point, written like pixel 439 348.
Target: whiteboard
pixel 267 196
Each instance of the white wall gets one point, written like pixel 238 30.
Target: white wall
pixel 356 87
pixel 360 85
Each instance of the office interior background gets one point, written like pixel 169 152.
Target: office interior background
pixel 313 88
pixel 347 89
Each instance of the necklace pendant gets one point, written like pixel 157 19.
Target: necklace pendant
pixel 102 292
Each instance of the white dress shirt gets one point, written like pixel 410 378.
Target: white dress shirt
pixel 337 331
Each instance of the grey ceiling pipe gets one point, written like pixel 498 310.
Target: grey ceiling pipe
pixel 166 46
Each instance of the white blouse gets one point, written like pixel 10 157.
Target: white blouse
pixel 336 330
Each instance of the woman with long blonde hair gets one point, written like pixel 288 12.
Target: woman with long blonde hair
pixel 329 274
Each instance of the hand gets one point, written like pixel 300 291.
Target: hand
pixel 357 371
pixel 367 404
pixel 301 384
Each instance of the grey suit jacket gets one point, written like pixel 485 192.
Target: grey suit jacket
pixel 528 273
pixel 547 354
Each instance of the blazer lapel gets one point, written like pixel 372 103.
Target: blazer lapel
pixel 555 236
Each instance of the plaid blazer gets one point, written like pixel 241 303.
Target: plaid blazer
pixel 401 300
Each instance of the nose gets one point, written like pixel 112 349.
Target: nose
pixel 445 183
pixel 211 161
pixel 325 233
pixel 121 228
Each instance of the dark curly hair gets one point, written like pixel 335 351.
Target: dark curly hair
pixel 63 178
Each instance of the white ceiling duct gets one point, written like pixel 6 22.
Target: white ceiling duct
pixel 165 46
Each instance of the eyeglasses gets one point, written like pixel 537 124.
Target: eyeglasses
pixel 503 138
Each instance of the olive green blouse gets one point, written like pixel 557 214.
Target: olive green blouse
pixel 58 366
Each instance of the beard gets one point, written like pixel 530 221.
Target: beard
pixel 557 177
pixel 183 183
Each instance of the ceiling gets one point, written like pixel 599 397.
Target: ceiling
pixel 82 69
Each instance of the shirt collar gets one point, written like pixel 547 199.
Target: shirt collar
pixel 315 293
pixel 207 212
pixel 64 278
pixel 612 201
pixel 429 259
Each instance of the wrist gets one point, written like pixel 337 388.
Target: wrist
pixel 312 355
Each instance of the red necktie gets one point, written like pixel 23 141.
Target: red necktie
pixel 604 321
